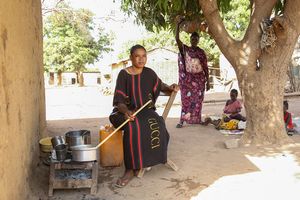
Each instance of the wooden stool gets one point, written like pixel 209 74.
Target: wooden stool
pixel 169 104
pixel 62 176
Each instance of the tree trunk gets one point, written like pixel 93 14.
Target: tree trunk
pixel 294 78
pixel 59 78
pixel 263 101
pixel 262 89
pixel 51 78
pixel 77 77
pixel 81 79
pixel 293 87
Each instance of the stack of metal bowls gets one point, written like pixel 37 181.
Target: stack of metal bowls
pixel 77 138
pixel 59 144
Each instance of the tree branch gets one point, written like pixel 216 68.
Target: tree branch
pixel 287 29
pixel 47 8
pixel 261 9
pixel 217 29
pixel 292 14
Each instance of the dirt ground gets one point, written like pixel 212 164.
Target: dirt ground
pixel 207 170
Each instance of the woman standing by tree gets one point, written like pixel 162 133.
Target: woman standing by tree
pixel 193 75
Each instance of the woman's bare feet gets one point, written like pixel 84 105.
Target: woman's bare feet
pixel 125 179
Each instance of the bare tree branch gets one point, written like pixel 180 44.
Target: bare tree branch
pixel 217 29
pixel 48 9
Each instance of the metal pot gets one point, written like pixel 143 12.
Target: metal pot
pixel 76 138
pixel 57 140
pixel 84 153
pixel 61 152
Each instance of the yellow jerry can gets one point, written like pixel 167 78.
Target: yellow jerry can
pixel 111 152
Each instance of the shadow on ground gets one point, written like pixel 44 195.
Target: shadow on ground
pixel 198 151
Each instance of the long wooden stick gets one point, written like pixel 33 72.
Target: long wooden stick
pixel 134 114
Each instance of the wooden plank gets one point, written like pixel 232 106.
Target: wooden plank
pixel 94 178
pixel 169 105
pixel 172 165
pixel 51 179
pixel 141 173
pixel 72 183
pixel 83 165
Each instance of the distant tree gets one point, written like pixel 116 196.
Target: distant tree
pixel 70 43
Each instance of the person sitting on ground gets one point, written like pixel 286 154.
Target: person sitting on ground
pixel 231 115
pixel 289 126
pixel 233 108
pixel 145 138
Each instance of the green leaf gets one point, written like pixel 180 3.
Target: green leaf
pixel 158 15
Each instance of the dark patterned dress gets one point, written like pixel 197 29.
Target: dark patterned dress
pixel 146 138
pixel 193 73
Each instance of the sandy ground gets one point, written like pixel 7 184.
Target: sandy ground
pixel 207 170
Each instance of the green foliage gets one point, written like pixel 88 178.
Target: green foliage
pixel 235 14
pixel 237 17
pixel 279 7
pixel 161 13
pixel 69 43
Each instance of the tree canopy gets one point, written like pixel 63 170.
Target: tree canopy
pixel 236 19
pixel 72 40
pixel 163 13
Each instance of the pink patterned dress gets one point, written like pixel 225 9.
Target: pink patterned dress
pixel 193 74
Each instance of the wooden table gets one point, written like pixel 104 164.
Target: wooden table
pixel 73 175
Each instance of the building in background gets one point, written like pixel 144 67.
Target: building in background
pixel 69 78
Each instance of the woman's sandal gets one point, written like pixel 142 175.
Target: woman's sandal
pixel 179 125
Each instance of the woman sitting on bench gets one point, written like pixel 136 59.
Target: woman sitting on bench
pixel 145 137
